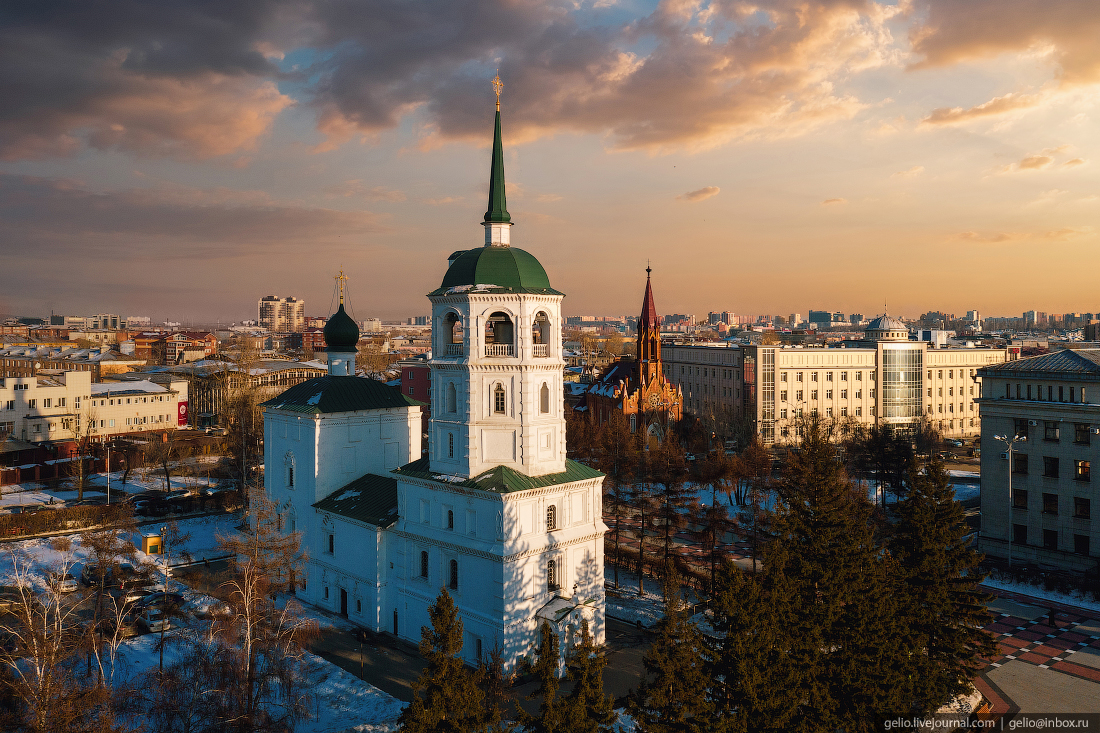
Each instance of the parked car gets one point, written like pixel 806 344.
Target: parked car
pixel 133 594
pixel 89 574
pixel 10 598
pixel 161 599
pixel 63 582
pixel 154 619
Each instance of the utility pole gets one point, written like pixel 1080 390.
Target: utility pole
pixel 1010 444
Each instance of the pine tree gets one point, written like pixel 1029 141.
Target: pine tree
pixel 754 686
pixel 589 709
pixel 447 697
pixel 943 610
pixel 672 696
pixel 823 545
pixel 494 684
pixel 553 714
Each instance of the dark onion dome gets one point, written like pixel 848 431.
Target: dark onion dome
pixel 496 269
pixel 341 333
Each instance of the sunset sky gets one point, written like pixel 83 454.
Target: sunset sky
pixel 181 160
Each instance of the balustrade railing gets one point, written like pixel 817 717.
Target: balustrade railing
pixel 542 349
pixel 499 350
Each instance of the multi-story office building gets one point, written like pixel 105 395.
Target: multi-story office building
pixel 27 361
pixel 58 407
pixel 884 379
pixel 282 315
pixel 1052 402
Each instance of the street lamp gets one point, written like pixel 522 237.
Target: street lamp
pixel 1009 443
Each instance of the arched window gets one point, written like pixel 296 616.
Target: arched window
pixel 454 575
pixel 500 336
pixel 552 581
pixel 540 335
pixel 452 398
pixel 450 445
pixel 633 423
pixel 450 519
pixel 288 462
pixel 544 399
pixel 423 563
pixel 498 399
pixel 551 517
pixel 452 335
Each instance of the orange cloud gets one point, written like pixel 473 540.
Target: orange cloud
pixel 909 173
pixel 832 202
pixel 1053 235
pixel 996 106
pixel 700 195
pixel 1074 162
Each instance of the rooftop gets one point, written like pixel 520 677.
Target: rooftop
pixel 328 394
pixel 1077 363
pixel 495 270
pixel 371 499
pixel 501 479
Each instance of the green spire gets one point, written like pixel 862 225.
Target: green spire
pixel 498 202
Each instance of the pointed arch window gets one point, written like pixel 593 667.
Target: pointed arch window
pixel 454 575
pixel 544 399
pixel 499 403
pixel 452 398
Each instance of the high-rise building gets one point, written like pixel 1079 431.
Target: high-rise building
pixel 282 315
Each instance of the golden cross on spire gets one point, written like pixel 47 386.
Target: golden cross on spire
pixel 498 87
pixel 340 280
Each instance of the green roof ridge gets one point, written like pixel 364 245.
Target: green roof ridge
pixel 502 479
pixel 498 202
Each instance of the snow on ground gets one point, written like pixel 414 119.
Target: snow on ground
pixel 343 703
pixel 626 605
pixel 1079 599
pixel 956 473
pixel 143 479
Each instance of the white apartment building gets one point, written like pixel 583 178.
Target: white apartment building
pixel 282 315
pixel 55 407
pixel 1052 402
pixel 884 379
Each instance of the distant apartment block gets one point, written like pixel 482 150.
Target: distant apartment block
pixel 372 325
pixel 282 315
pixel 28 361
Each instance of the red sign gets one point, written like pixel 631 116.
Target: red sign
pixel 183 414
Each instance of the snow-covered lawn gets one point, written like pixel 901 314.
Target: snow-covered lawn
pixel 144 479
pixel 342 701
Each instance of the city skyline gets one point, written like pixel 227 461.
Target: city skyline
pixel 848 152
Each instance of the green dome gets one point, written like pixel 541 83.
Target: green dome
pixel 507 268
pixel 341 333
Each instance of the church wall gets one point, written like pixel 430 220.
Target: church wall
pixel 354 566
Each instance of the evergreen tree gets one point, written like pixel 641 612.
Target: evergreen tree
pixel 618 459
pixel 447 697
pixel 494 684
pixel 553 714
pixel 674 495
pixel 672 696
pixel 754 686
pixel 589 709
pixel 824 547
pixel 943 611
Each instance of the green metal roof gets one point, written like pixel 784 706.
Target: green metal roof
pixel 496 269
pixel 339 394
pixel 502 480
pixel 370 498
pixel 498 203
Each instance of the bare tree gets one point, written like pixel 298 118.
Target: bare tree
pixel 84 430
pixel 260 643
pixel 45 645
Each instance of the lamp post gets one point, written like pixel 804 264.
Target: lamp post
pixel 1009 444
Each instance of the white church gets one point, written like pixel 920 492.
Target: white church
pixel 494 512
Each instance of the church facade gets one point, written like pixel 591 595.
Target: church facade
pixel 637 387
pixel 493 511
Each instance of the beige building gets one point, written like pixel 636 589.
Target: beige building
pixel 885 379
pixel 282 315
pixel 57 407
pixel 1052 402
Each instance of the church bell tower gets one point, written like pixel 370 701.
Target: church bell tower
pixel 497 365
